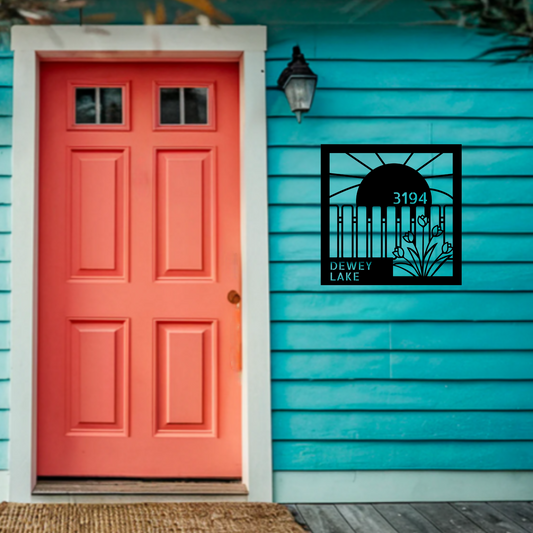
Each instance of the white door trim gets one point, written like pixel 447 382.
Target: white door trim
pixel 31 44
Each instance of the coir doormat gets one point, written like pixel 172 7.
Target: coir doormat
pixel 147 518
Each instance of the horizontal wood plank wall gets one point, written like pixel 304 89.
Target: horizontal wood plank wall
pixel 382 377
pixel 399 378
pixel 6 112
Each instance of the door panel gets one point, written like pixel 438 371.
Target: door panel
pixel 185 370
pixel 184 213
pixel 97 213
pixel 98 375
pixel 139 245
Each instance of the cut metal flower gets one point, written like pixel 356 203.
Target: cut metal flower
pixel 398 252
pixel 423 221
pixel 409 237
pixel 436 231
pixel 447 248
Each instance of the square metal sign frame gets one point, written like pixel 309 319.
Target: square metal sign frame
pixel 382 267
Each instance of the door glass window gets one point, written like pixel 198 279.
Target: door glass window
pixel 85 106
pixel 182 105
pixel 99 105
pixel 170 105
pixel 111 105
pixel 196 106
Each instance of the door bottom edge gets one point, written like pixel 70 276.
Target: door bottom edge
pixel 136 487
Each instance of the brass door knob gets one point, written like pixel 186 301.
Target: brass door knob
pixel 234 297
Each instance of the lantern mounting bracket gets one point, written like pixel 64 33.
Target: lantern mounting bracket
pixel 298 82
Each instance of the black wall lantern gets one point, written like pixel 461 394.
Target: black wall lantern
pixel 298 82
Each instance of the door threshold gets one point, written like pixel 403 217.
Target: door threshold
pixel 50 486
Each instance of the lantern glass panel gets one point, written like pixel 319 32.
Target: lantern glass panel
pixel 300 91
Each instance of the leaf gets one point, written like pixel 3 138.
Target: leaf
pixel 491 17
pixel 441 263
pixel 414 274
pixel 149 17
pixel 40 22
pixel 205 6
pixel 31 15
pixel 203 20
pixel 416 262
pixel 74 4
pixel 187 18
pixel 428 256
pixel 502 49
pixel 415 250
pixel 160 13
pixel 99 18
pixel 35 17
pixel 440 12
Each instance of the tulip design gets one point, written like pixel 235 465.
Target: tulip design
pixel 409 237
pixel 423 221
pixel 398 252
pixel 446 248
pixel 421 262
pixel 436 231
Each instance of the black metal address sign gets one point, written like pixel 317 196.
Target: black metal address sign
pixel 391 214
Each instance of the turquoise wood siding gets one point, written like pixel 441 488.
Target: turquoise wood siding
pixel 381 377
pixel 386 378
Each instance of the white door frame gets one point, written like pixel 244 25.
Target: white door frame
pixel 246 44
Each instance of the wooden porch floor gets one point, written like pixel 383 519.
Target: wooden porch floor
pixel 492 517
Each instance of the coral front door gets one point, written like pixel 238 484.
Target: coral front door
pixel 139 246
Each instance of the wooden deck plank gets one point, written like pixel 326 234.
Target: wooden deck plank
pixel 324 519
pixel 519 512
pixel 92 486
pixel 445 518
pixel 293 508
pixel 488 518
pixel 405 518
pixel 363 518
